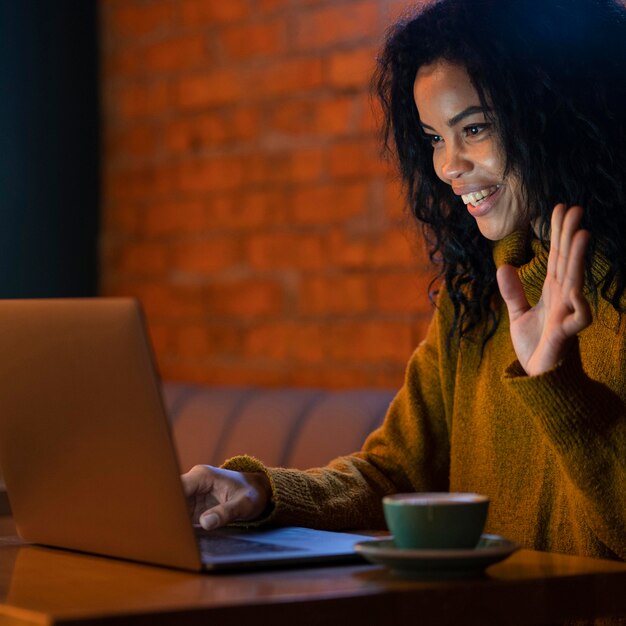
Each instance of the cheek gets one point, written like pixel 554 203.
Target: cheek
pixel 491 159
pixel 438 162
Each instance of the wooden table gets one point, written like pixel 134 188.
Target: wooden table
pixel 45 586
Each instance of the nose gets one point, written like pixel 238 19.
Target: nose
pixel 455 162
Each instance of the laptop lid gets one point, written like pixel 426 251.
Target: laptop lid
pixel 85 445
pixel 86 449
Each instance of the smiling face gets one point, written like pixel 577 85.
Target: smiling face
pixel 466 150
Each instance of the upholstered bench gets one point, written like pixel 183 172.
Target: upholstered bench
pixel 297 428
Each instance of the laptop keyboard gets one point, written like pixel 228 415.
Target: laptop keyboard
pixel 223 545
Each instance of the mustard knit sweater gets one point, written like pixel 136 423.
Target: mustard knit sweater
pixel 549 450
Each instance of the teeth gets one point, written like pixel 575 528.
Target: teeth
pixel 476 196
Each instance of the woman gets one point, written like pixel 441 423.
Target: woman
pixel 508 123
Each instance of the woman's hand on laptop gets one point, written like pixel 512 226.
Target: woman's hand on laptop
pixel 217 497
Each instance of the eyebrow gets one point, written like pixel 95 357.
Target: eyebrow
pixel 454 120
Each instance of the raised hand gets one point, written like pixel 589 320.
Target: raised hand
pixel 542 334
pixel 217 497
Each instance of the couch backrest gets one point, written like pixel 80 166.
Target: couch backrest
pixel 297 428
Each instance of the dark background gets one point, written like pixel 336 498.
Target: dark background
pixel 49 148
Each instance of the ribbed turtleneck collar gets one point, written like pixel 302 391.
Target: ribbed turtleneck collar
pixel 523 250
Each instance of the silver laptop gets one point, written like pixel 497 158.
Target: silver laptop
pixel 86 450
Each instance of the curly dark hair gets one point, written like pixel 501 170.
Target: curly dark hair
pixel 553 75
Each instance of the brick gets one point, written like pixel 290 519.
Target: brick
pixel 394 10
pixel 212 174
pixel 371 114
pixel 161 337
pixel 196 13
pixel 396 208
pixel 214 88
pixel 213 128
pixel 419 328
pixel 244 200
pixel 121 62
pixel 286 250
pixel 120 219
pixel 324 204
pixel 141 100
pixel 337 116
pixel 140 19
pixel 298 75
pixel 264 373
pixel 143 258
pixel 270 341
pixel 330 117
pixel 175 217
pixel 309 344
pixel 333 25
pixel 351 69
pixel 332 376
pixel 206 256
pixel 291 342
pixel 299 166
pixel 348 251
pixel 295 117
pixel 372 341
pixel 175 54
pixel 248 210
pixel 255 40
pixel 390 377
pixel 139 182
pixel 307 165
pixel 271 6
pixel 397 248
pixel 357 158
pixel 162 301
pixel 203 340
pixel 130 141
pixel 245 298
pixel 401 292
pixel 340 295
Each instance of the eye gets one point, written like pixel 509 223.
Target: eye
pixel 473 130
pixel 433 140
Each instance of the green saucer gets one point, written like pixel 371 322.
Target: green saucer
pixel 437 564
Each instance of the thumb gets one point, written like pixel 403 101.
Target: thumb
pixel 512 291
pixel 222 515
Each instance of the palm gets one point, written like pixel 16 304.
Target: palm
pixel 541 334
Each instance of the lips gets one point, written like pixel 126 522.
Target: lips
pixel 485 203
pixel 476 197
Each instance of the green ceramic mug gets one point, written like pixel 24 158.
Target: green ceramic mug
pixel 436 521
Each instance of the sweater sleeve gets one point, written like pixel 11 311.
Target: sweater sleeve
pixel 584 422
pixel 409 452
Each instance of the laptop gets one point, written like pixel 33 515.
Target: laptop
pixel 87 454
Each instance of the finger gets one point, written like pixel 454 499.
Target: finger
pixel 224 514
pixel 211 519
pixel 581 316
pixel 198 478
pixel 570 225
pixel 555 234
pixel 574 279
pixel 190 484
pixel 512 291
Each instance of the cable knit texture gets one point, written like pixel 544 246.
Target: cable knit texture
pixel 549 450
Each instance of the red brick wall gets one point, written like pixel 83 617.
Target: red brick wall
pixel 244 200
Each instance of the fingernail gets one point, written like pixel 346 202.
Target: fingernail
pixel 209 521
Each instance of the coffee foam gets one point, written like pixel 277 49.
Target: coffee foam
pixel 435 499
